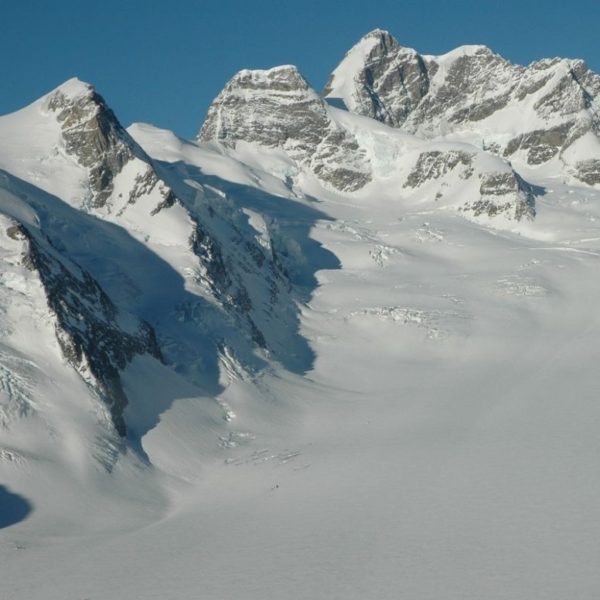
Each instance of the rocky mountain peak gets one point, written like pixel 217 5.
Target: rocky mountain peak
pixel 279 86
pixel 376 65
pixel 277 108
pixel 73 89
pixel 381 40
pixel 77 104
pixel 93 135
pixel 282 78
pixel 533 115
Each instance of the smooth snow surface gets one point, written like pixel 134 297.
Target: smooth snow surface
pixel 442 445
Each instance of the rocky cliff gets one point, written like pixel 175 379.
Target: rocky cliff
pixel 547 110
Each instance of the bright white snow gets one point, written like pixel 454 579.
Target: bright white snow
pixel 442 445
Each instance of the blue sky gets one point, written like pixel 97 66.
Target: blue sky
pixel 163 62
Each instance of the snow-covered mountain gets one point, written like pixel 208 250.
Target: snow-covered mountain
pixel 345 342
pixel 547 113
pixel 277 109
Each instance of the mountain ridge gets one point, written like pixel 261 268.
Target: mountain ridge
pixel 287 356
pixel 75 137
pixel 472 90
pixel 278 110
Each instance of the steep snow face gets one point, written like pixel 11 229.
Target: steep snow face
pixel 82 154
pixel 532 114
pixel 278 109
pixel 61 347
pixel 88 328
pixel 204 280
pixel 94 337
pixel 248 264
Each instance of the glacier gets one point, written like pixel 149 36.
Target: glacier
pixel 339 345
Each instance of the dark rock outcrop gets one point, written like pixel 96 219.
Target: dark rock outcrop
pixel 93 135
pixel 550 103
pixel 390 85
pixel 278 109
pixel 88 331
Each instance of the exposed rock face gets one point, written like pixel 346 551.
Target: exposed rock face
pixel 390 85
pixel 499 192
pixel 551 103
pixel 148 183
pixel 278 109
pixel 435 164
pixel 504 193
pixel 87 326
pixel 541 145
pixel 588 171
pixel 93 135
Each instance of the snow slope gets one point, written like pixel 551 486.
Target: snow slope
pixel 421 420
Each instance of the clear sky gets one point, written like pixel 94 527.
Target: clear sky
pixel 163 62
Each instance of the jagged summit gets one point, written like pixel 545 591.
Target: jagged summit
pixel 278 73
pixel 277 108
pixel 377 33
pixel 93 135
pixel 376 64
pixel 282 84
pixel 77 102
pixel 545 113
pixel 379 38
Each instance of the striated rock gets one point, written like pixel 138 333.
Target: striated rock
pixel 550 103
pixel 87 325
pixel 542 144
pixel 146 183
pixel 588 171
pixel 388 85
pixel 504 193
pixel 435 164
pixel 93 135
pixel 278 109
pixel 497 193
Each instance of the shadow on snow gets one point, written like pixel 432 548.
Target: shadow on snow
pixel 190 329
pixel 13 508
